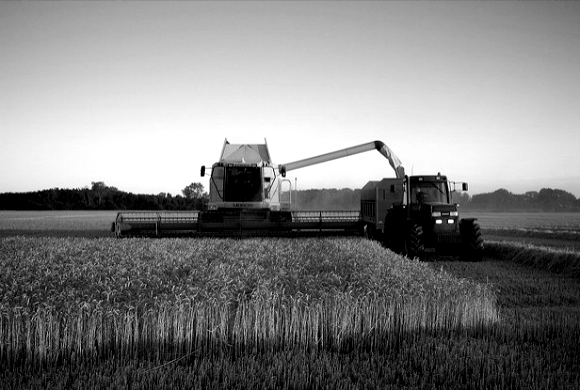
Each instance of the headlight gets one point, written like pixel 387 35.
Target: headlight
pixel 438 221
pixel 436 214
pixel 450 221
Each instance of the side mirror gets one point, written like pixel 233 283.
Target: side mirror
pixel 202 170
pixel 282 169
pixel 464 187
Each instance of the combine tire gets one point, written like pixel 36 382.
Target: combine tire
pixel 414 246
pixel 471 240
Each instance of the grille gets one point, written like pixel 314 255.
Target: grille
pixel 449 238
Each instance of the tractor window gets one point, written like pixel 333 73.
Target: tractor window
pixel 428 192
pixel 243 184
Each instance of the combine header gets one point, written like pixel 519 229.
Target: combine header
pixel 242 223
pixel 250 196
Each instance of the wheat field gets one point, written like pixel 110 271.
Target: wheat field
pixel 143 297
pixel 81 310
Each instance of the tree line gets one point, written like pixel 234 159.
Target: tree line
pixel 102 197
pixel 193 197
pixel 547 199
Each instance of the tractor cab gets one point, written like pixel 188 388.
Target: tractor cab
pixel 429 190
pixel 430 197
pixel 430 204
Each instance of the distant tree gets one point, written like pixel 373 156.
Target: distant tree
pixel 193 191
pixel 532 196
pixel 99 190
pixel 195 197
pixel 499 200
pixel 556 200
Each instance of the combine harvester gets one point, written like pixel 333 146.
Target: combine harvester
pixel 250 196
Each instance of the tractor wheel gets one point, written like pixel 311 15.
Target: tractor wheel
pixel 414 246
pixel 471 240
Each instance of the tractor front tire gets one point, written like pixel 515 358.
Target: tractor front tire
pixel 414 246
pixel 391 237
pixel 471 240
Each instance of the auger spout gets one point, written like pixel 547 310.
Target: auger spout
pixel 378 145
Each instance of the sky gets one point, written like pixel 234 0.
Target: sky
pixel 139 95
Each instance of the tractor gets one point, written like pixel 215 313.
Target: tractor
pixel 413 215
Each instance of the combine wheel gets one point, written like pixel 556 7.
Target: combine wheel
pixel 115 228
pixel 414 246
pixel 471 240
pixel 118 232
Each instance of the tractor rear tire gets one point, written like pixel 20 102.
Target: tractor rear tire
pixel 414 246
pixel 471 240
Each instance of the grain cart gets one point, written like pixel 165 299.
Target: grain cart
pixel 412 213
